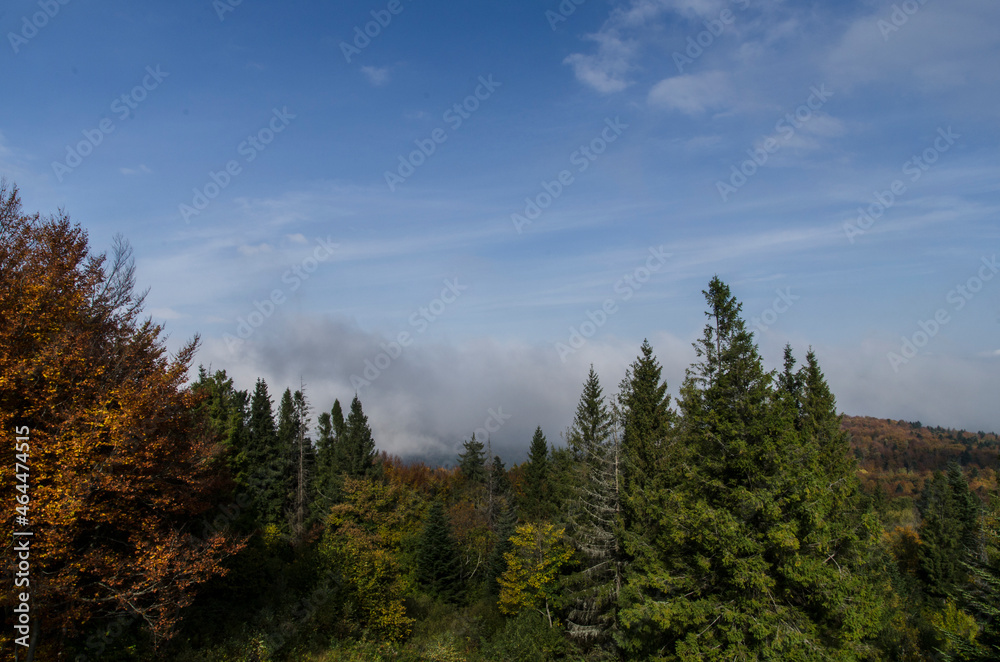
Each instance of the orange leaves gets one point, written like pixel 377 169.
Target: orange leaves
pixel 118 457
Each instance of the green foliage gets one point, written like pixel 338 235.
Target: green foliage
pixel 472 461
pixel 438 567
pixel 527 638
pixel 537 491
pixel 262 463
pixel 357 450
pixel 593 591
pixel 496 564
pixel 948 532
pixel 731 529
pixel 533 568
pixel 749 558
pixel 592 423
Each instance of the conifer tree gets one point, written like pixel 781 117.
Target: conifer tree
pixel 496 564
pixel 948 532
pixel 646 421
pixel 749 560
pixel 357 457
pixel 981 595
pixel 471 461
pixel 288 432
pixel 263 463
pixel 595 588
pixel 337 419
pixel 497 491
pixel 304 463
pixel 325 484
pixel 536 478
pixel 438 565
pixel 592 421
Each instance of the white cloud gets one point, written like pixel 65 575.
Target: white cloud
pixel 605 71
pixel 693 94
pixel 377 76
pixel 941 46
pixel 297 238
pixel 434 395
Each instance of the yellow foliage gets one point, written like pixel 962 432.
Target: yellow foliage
pixel 540 551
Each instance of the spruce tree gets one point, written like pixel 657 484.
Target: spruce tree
pixel 980 596
pixel 592 421
pixel 264 461
pixel 948 532
pixel 471 461
pixel 496 564
pixel 337 419
pixel 498 492
pixel 304 465
pixel 325 484
pixel 438 566
pixel 357 450
pixel 288 432
pixel 594 589
pixel 646 420
pixel 749 560
pixel 536 478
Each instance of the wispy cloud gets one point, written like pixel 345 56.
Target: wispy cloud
pixel 693 94
pixel 606 70
pixel 377 76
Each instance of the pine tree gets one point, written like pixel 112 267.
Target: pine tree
pixel 325 484
pixel 304 461
pixel 496 564
pixel 948 532
pixel 337 419
pixel 596 586
pixel 646 426
pixel 263 464
pixel 498 492
pixel 593 419
pixel 748 559
pixel 438 566
pixel 357 456
pixel 981 595
pixel 471 461
pixel 288 432
pixel 537 492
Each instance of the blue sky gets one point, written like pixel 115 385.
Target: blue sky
pixel 522 189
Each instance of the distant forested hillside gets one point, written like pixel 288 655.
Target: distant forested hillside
pixel 900 456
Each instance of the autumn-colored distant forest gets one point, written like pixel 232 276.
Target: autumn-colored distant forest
pixel 734 516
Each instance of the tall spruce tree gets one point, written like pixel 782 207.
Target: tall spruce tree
pixel 594 589
pixel 325 484
pixel 646 420
pixel 288 432
pixel 471 461
pixel 438 564
pixel 263 462
pixel 357 450
pixel 981 595
pixel 948 532
pixel 498 492
pixel 496 563
pixel 592 421
pixel 749 559
pixel 337 419
pixel 537 491
pixel 304 465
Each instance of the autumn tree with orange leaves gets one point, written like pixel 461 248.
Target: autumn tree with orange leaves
pixel 121 464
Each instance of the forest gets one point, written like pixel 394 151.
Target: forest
pixel 735 516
